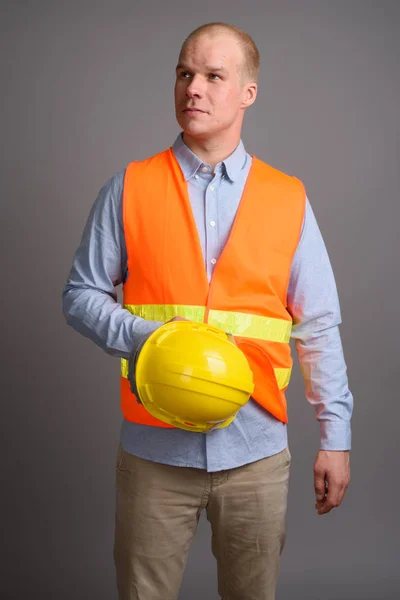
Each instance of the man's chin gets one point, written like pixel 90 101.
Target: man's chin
pixel 195 130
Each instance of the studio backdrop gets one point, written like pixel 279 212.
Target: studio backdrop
pixel 87 87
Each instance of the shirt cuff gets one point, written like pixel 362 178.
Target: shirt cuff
pixel 142 331
pixel 335 435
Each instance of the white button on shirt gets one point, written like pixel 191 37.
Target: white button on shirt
pixel 212 223
pixel 212 188
pixel 213 261
pixel 205 169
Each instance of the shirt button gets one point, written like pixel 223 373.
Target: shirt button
pixel 212 188
pixel 196 176
pixel 212 223
pixel 213 261
pixel 204 169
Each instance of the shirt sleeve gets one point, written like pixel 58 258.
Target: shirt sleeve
pixel 89 299
pixel 314 305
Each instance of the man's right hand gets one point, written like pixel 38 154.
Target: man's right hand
pixel 177 319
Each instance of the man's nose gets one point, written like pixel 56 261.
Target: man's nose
pixel 194 89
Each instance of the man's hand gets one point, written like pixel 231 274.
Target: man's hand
pixel 331 479
pixel 177 319
pixel 231 339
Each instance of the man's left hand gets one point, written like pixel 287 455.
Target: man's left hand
pixel 331 479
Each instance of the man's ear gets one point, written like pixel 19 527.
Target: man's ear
pixel 250 94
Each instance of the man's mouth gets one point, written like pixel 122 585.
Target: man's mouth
pixel 193 110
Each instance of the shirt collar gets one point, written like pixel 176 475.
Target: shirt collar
pixel 190 163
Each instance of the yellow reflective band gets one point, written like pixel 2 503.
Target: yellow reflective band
pixel 251 326
pixel 166 312
pixel 236 323
pixel 282 375
pixel 124 368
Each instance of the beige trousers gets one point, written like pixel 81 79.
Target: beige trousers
pixel 157 511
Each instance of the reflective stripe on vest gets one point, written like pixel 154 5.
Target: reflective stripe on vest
pixel 236 323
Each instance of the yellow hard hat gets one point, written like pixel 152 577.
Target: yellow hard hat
pixel 191 376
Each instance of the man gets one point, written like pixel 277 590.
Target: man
pixel 204 226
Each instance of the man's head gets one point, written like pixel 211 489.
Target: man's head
pixel 216 76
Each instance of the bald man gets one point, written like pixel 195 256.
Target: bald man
pixel 249 231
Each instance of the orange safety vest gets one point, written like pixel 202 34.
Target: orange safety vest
pixel 247 292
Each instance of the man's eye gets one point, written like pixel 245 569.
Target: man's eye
pixel 214 76
pixel 185 74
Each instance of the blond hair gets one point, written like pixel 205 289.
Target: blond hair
pixel 251 56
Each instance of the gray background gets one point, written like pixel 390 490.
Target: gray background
pixel 88 87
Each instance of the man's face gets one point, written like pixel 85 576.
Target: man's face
pixel 208 82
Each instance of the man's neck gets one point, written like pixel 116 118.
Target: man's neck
pixel 213 151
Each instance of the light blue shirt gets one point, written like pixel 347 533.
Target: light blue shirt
pixel 91 308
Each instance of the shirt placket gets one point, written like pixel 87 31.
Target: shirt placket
pixel 211 223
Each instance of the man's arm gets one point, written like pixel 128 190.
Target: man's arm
pixel 100 264
pixel 314 304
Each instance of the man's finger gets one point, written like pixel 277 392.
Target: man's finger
pixel 335 495
pixel 319 486
pixel 178 318
pixel 231 338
